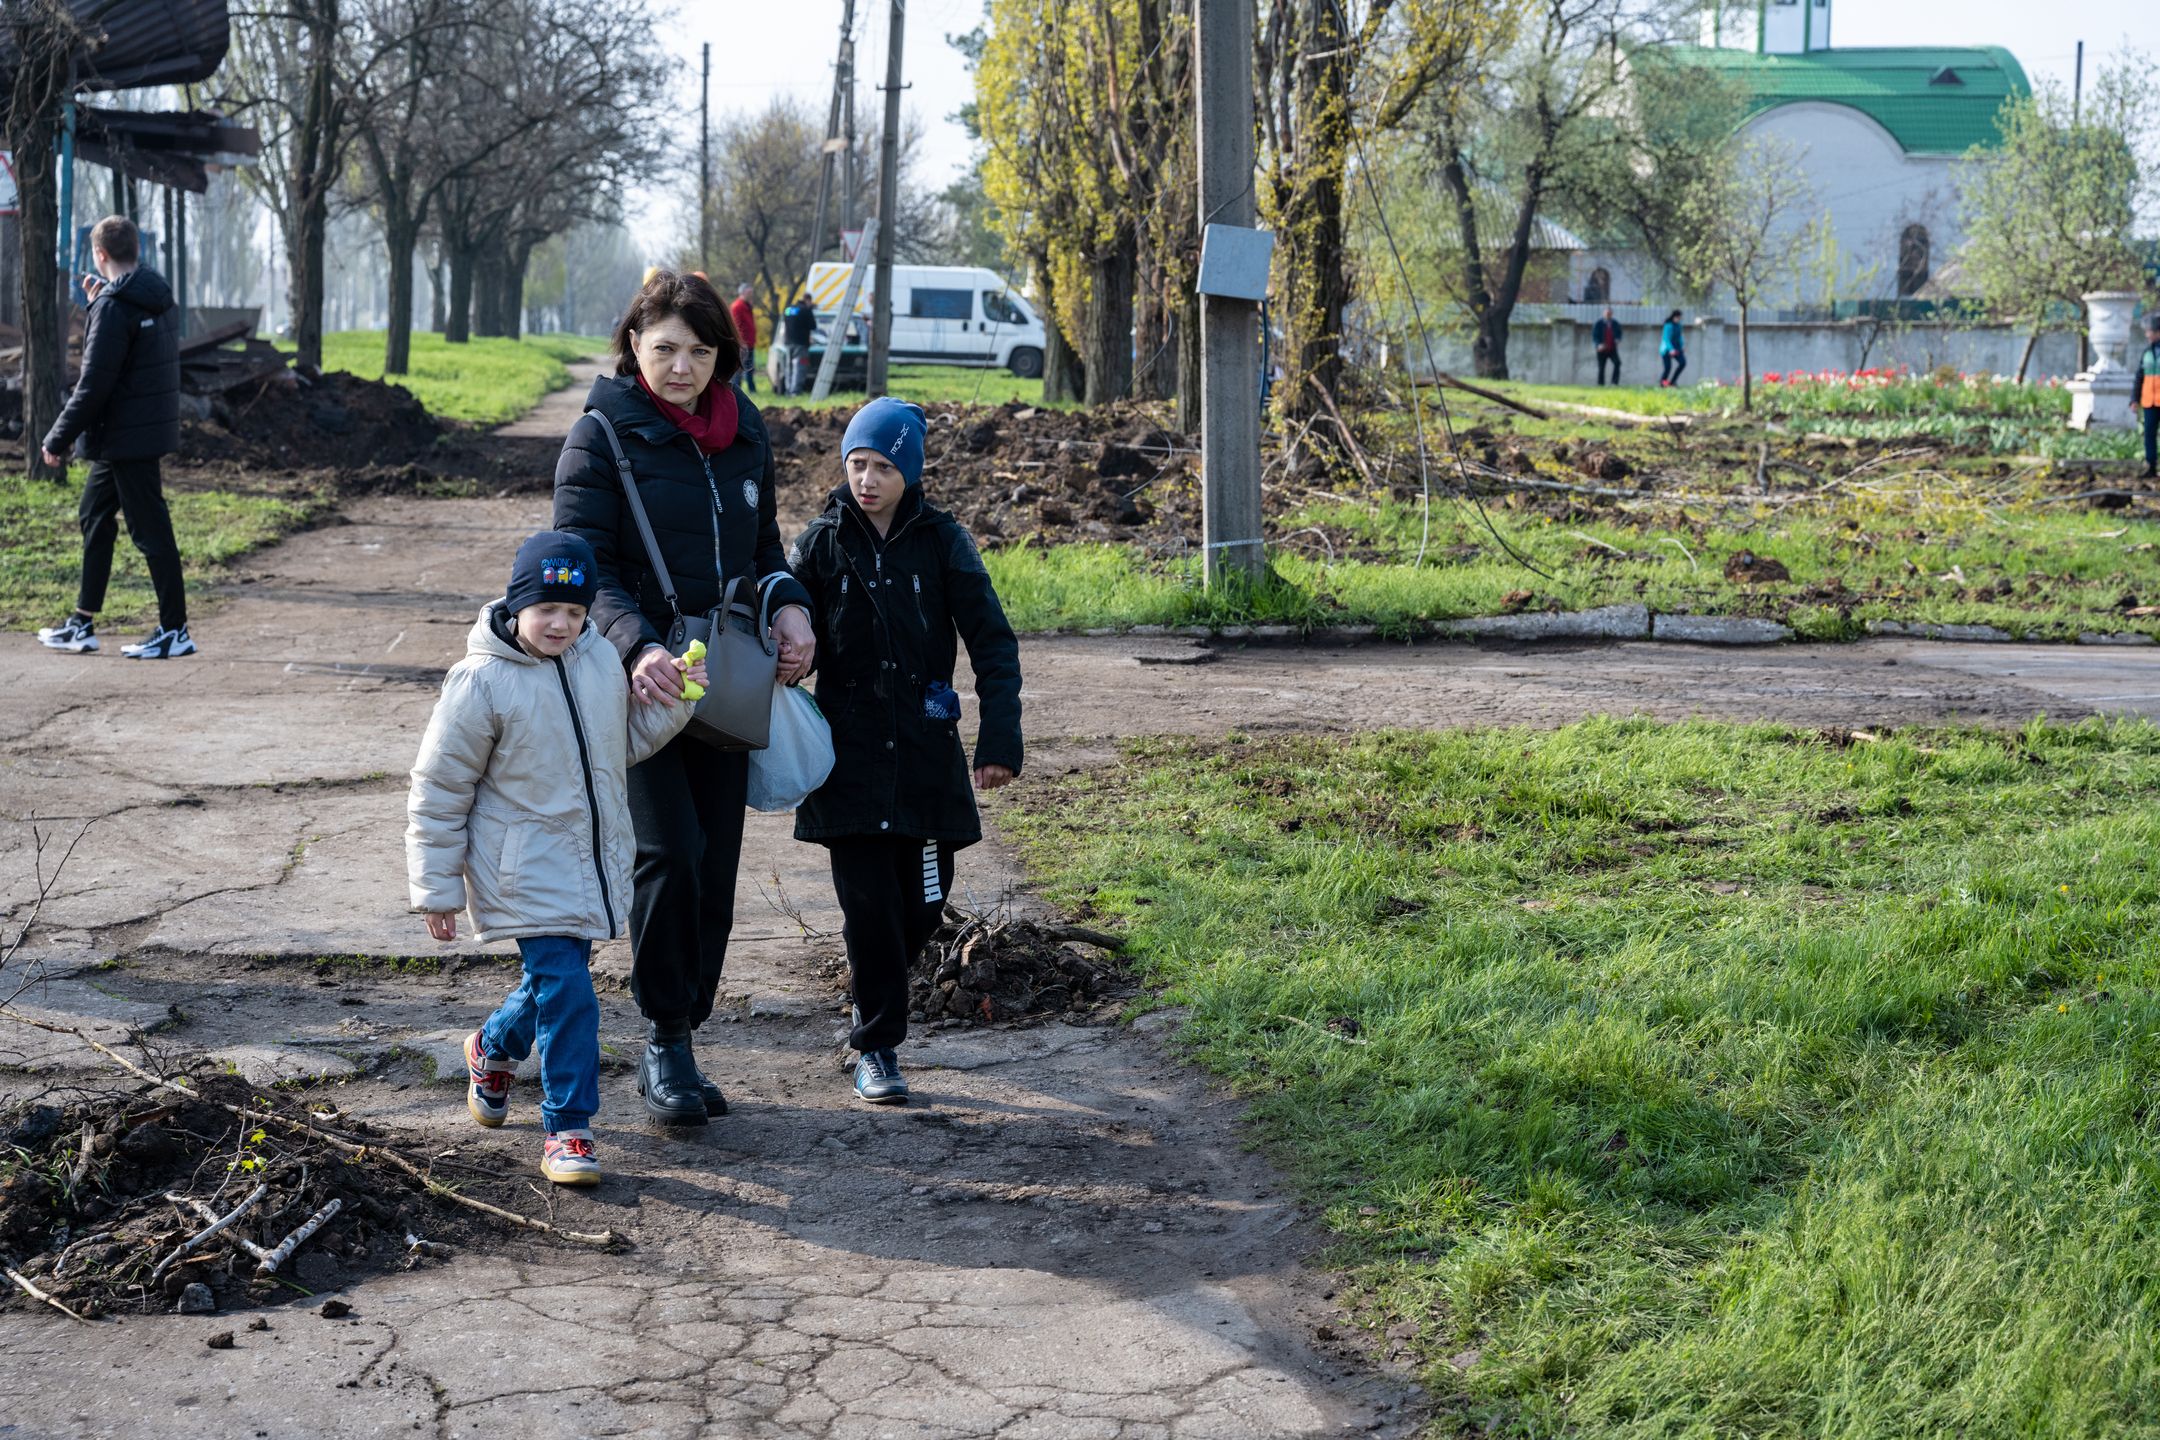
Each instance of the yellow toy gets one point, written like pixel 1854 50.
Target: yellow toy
pixel 691 690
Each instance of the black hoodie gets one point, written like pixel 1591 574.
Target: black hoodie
pixel 126 405
pixel 713 515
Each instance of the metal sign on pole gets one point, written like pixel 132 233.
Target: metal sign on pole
pixel 1233 267
pixel 836 333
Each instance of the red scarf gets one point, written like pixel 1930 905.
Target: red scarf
pixel 713 424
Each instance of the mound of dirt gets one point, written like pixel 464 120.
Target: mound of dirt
pixel 992 970
pixel 104 1205
pixel 336 422
pixel 1112 474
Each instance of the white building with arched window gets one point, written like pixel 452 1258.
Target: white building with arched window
pixel 1878 133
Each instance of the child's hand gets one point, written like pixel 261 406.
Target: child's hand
pixel 990 777
pixel 442 924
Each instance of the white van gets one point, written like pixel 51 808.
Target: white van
pixel 945 315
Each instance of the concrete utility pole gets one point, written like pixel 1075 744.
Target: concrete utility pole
pixel 704 160
pixel 888 199
pixel 1229 327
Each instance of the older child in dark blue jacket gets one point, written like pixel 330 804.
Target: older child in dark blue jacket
pixel 897 584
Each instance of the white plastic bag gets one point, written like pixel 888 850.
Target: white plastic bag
pixel 798 757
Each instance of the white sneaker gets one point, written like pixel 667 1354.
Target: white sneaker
pixel 162 645
pixel 75 635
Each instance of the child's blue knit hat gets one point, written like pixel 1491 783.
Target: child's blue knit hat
pixel 894 429
pixel 552 565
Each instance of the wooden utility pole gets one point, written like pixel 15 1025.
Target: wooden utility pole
pixel 704 161
pixel 888 200
pixel 1229 327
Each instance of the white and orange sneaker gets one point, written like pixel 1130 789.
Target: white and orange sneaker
pixel 487 1092
pixel 567 1157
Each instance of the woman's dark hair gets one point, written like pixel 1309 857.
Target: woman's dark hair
pixel 1669 319
pixel 666 293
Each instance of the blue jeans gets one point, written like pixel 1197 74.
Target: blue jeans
pixel 554 1002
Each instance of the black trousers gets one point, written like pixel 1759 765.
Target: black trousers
pixel 2152 437
pixel 1675 361
pixel 134 489
pixel 687 806
pixel 892 891
pixel 1612 358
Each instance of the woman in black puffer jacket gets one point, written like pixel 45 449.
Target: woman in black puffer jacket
pixel 705 472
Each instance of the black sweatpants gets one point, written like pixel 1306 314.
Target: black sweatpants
pixel 2152 437
pixel 891 891
pixel 134 489
pixel 687 806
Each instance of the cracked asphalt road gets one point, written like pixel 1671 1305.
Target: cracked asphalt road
pixel 1064 1236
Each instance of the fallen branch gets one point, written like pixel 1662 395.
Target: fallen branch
pixel 208 1213
pixel 36 1294
pixel 1443 378
pixel 1357 452
pixel 356 1150
pixel 194 1240
pixel 268 1264
pixel 1080 934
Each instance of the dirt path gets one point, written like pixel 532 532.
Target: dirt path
pixel 1063 1236
pixel 552 418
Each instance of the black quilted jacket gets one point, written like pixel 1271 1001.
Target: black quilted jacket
pixel 713 515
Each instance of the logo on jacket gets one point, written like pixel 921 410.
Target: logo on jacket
pixel 561 572
pixel 749 493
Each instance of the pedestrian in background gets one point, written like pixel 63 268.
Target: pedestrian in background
pixel 1605 335
pixel 2149 394
pixel 1672 352
pixel 798 323
pixel 123 417
pixel 744 315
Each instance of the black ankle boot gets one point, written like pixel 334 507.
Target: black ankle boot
pixel 668 1078
pixel 715 1100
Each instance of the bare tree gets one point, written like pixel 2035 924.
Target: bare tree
pixel 1745 231
pixel 291 74
pixel 44 38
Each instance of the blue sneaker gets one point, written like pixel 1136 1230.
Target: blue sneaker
pixel 878 1079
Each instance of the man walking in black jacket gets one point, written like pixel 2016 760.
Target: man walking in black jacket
pixel 1605 335
pixel 124 415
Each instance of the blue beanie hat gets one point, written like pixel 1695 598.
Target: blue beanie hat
pixel 894 429
pixel 552 565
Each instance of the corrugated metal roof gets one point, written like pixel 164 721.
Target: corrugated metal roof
pixel 1932 100
pixel 145 42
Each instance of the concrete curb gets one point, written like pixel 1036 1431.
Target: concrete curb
pixel 1606 622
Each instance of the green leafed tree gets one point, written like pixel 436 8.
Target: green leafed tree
pixel 2049 214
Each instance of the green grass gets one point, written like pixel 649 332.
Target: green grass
pixel 1973 413
pixel 930 385
pixel 1634 399
pixel 41 546
pixel 2039 572
pixel 1686 1080
pixel 487 382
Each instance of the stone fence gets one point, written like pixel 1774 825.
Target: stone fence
pixel 1558 351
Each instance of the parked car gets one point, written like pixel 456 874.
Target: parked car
pixel 944 315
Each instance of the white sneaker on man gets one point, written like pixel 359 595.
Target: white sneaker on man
pixel 162 645
pixel 77 635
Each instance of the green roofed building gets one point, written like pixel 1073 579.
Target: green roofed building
pixel 1878 132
